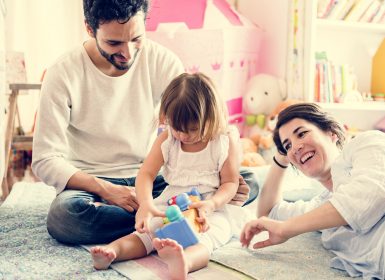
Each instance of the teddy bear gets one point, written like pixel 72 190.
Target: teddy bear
pixel 250 156
pixel 272 118
pixel 263 92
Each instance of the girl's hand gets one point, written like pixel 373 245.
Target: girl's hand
pixel 254 227
pixel 205 208
pixel 144 215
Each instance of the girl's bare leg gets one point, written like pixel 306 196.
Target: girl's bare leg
pixel 180 262
pixel 125 248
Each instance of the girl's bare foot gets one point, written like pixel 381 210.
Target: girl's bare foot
pixel 173 255
pixel 102 256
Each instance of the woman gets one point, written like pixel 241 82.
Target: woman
pixel 350 213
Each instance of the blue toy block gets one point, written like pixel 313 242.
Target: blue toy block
pixel 178 229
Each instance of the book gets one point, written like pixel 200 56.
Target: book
pixel 324 7
pixel 341 12
pixel 338 6
pixel 371 11
pixel 358 10
pixel 380 13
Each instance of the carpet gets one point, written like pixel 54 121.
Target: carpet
pixel 28 251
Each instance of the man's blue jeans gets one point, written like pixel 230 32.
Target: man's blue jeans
pixel 73 218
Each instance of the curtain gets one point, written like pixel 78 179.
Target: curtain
pixel 43 30
pixel 2 87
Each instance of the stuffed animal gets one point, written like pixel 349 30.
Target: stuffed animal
pixel 272 119
pixel 263 93
pixel 250 155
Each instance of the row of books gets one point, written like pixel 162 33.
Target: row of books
pixel 333 82
pixel 372 11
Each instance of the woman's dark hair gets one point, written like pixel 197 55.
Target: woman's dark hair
pixel 311 113
pixel 97 12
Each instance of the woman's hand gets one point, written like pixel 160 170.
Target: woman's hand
pixel 144 215
pixel 254 227
pixel 205 208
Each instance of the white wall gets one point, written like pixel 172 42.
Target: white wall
pixel 272 16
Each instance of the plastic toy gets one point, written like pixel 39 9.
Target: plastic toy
pixel 193 195
pixel 178 228
pixel 181 221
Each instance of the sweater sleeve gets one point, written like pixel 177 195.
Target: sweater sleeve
pixel 50 145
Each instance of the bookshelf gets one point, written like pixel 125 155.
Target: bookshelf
pixel 345 42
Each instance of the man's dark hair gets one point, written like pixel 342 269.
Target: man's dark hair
pixel 313 114
pixel 97 12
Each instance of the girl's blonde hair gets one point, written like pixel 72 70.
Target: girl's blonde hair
pixel 193 99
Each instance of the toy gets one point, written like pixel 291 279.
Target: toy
pixel 193 195
pixel 250 156
pixel 181 221
pixel 272 119
pixel 178 228
pixel 263 93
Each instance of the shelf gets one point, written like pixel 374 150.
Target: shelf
pixel 363 106
pixel 353 26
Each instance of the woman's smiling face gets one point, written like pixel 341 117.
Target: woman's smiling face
pixel 309 149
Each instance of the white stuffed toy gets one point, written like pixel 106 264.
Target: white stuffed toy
pixel 263 93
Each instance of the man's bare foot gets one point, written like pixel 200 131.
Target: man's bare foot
pixel 173 255
pixel 102 256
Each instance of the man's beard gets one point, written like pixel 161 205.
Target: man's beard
pixel 111 58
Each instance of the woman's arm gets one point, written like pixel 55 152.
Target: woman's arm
pixel 271 192
pixel 322 217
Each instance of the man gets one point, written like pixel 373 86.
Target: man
pixel 95 121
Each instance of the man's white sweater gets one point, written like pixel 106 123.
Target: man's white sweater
pixel 95 123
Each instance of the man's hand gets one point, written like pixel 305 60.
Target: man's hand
pixel 121 196
pixel 243 193
pixel 205 208
pixel 254 227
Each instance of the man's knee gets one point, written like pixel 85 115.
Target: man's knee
pixel 79 220
pixel 67 218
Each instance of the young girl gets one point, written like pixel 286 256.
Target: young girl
pixel 195 150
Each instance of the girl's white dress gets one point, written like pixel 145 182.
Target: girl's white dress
pixel 184 170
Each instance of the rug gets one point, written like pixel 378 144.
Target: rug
pixel 28 251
